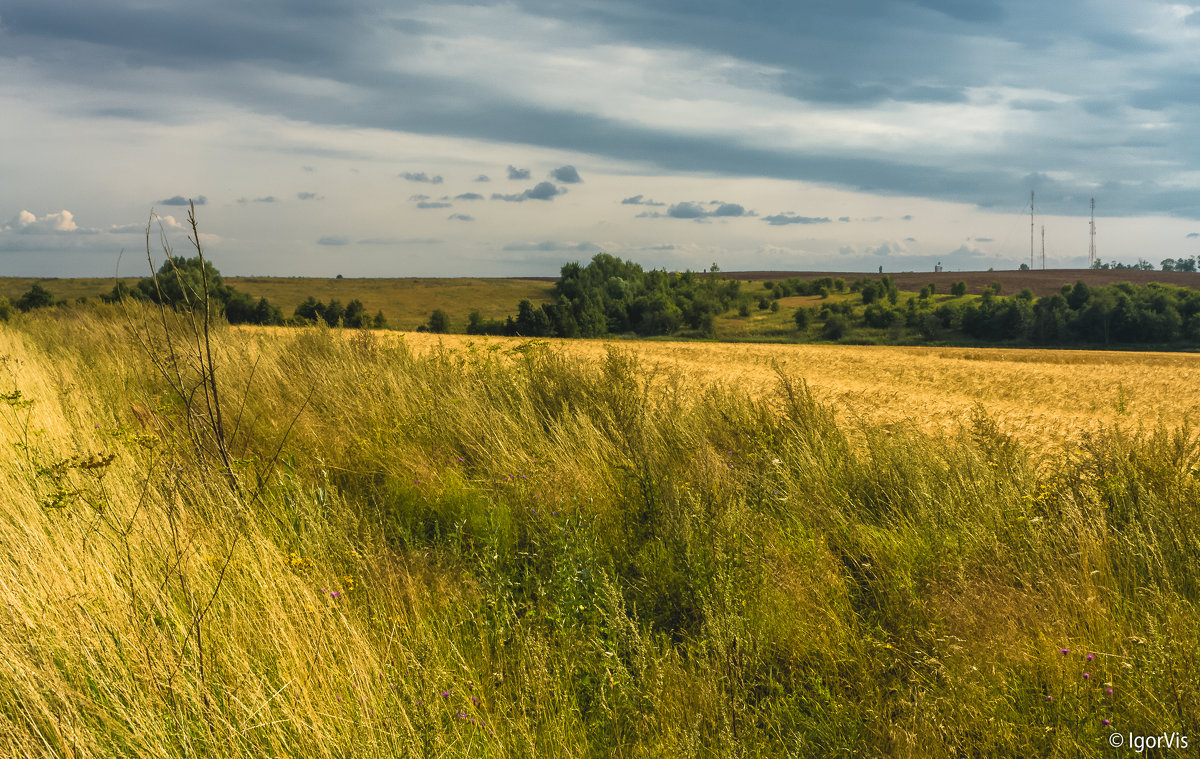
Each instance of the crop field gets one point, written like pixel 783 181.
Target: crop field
pixel 311 542
pixel 1039 396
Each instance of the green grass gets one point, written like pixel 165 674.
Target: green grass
pixel 584 560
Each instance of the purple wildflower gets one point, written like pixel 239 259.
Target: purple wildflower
pixel 1108 691
pixel 1106 722
pixel 1091 657
pixel 1087 676
pixel 1064 651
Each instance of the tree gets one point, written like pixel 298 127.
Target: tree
pixel 439 321
pixel 334 313
pixel 311 310
pixel 356 315
pixel 35 297
pixel 958 289
pixel 835 327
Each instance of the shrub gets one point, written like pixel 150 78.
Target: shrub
pixel 439 321
pixel 958 289
pixel 6 309
pixel 802 317
pixel 835 327
pixel 35 297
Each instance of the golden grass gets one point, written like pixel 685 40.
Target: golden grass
pixel 1048 395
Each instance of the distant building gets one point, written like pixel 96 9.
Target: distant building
pixel 938 268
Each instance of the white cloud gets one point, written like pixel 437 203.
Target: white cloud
pixel 27 223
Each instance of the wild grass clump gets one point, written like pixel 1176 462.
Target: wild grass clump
pixel 508 552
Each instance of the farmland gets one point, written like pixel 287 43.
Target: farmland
pixel 1037 395
pixel 411 544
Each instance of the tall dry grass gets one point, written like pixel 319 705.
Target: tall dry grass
pixel 505 550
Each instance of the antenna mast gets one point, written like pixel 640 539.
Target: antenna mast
pixel 1031 229
pixel 1092 248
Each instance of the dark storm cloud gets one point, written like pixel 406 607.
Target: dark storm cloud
pixel 179 200
pixel 421 176
pixel 856 54
pixel 541 191
pixel 782 219
pixel 469 196
pixel 639 200
pixel 566 175
pixel 515 173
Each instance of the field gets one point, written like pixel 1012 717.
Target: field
pixel 1041 281
pixel 1038 396
pixel 329 543
pixel 406 302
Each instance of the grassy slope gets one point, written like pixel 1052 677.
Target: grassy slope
pixel 509 552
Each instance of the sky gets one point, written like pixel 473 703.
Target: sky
pixel 382 138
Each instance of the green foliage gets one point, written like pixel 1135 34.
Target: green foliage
pixel 36 297
pixel 802 317
pixel 439 321
pixel 835 327
pixel 6 309
pixel 958 289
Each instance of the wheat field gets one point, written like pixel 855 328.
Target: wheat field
pixel 1041 396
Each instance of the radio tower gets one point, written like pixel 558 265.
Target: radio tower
pixel 1031 229
pixel 1092 248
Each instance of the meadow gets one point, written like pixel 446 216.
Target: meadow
pixel 312 542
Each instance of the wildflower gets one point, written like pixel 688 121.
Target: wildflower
pixel 1064 651
pixel 445 694
pixel 1105 722
pixel 1108 691
pixel 1049 698
pixel 1091 657
pixel 1087 676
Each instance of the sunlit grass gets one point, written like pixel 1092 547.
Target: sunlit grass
pixel 516 548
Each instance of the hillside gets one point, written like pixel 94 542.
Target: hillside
pixel 1041 281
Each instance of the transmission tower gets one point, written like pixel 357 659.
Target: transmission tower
pixel 1031 229
pixel 1092 248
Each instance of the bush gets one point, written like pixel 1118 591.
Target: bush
pixel 835 327
pixel 802 317
pixel 35 297
pixel 879 316
pixel 958 289
pixel 439 321
pixel 6 309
